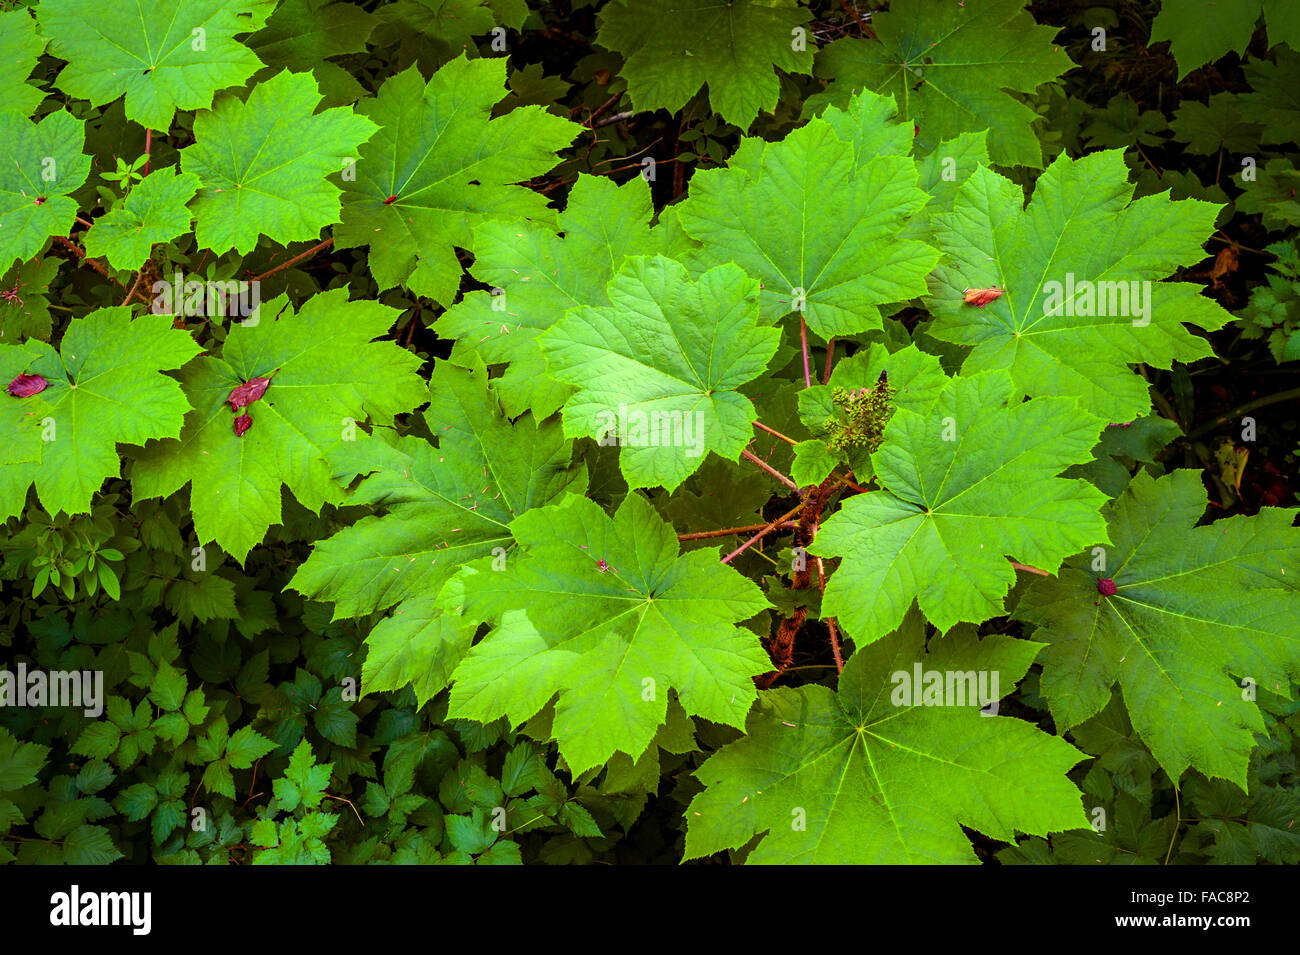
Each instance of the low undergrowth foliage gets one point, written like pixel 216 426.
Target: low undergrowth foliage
pixel 489 431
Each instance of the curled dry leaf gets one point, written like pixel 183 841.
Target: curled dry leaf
pixel 248 392
pixel 981 296
pixel 24 386
pixel 242 424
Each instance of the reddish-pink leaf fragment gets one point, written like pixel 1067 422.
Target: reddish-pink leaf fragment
pixel 981 296
pixel 1106 587
pixel 24 386
pixel 242 424
pixel 247 393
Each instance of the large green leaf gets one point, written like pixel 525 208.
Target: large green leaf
pixel 966 484
pixel 1201 31
pixel 41 164
pixel 106 387
pixel 19 48
pixel 816 218
pixel 1074 265
pixel 263 164
pixel 155 211
pixel 540 275
pixel 949 66
pixel 445 505
pixel 672 48
pixel 438 166
pixel 327 374
pixel 657 371
pixel 163 60
pixel 868 776
pixel 1195 610
pixel 605 613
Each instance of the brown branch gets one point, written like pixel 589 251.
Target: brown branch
pixel 1030 570
pixel 774 433
pixel 728 531
pixel 866 29
pixel 763 533
pixel 749 455
pixel 296 259
pixel 135 285
pixel 830 621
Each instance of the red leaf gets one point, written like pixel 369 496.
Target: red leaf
pixel 24 386
pixel 242 424
pixel 981 296
pixel 247 393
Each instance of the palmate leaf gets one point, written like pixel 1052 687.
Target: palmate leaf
pixel 1080 230
pixel 438 166
pixel 948 66
pixel 106 387
pixel 40 165
pixel 1201 32
pixel 540 275
pixel 672 48
pixel 263 164
pixel 327 373
pixel 816 218
pixel 1196 609
pixel 155 211
pixel 162 60
pixel 966 484
pixel 657 371
pixel 445 505
pixel 851 777
pixel 19 48
pixel 606 613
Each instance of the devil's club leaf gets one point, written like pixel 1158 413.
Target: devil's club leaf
pixel 816 219
pixel 866 776
pixel 540 275
pixel 658 370
pixel 1074 309
pixel 446 505
pixel 155 211
pixel 948 66
pixel 263 163
pixel 1194 610
pixel 966 484
pixel 40 164
pixel 19 48
pixel 672 48
pixel 1202 32
pixel 162 60
pixel 21 408
pixel 106 388
pixel 604 612
pixel 448 168
pixel 330 375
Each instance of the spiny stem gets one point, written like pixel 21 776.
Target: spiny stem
pixel 296 259
pixel 830 621
pixel 764 532
pixel 751 456
pixel 727 531
pixel 803 344
pixel 830 355
pixel 1242 409
pixel 774 433
pixel 134 285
